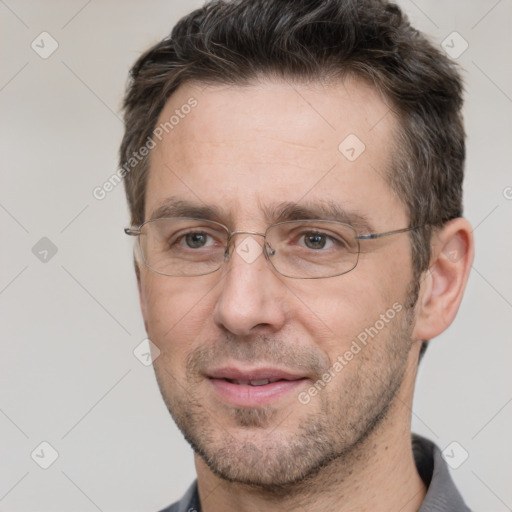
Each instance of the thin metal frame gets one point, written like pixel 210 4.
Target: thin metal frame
pixel 367 236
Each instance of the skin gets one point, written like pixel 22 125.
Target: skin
pixel 243 149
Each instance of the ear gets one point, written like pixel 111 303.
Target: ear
pixel 442 286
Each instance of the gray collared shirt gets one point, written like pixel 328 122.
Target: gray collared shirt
pixel 442 495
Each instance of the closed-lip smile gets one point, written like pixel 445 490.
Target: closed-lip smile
pixel 253 387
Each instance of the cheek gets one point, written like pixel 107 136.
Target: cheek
pixel 334 312
pixel 337 312
pixel 177 311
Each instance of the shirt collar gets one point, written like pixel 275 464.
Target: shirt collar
pixel 442 495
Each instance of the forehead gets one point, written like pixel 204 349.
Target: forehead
pixel 245 148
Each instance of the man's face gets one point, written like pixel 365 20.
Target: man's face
pixel 245 151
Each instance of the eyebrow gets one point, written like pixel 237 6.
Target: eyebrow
pixel 174 207
pixel 280 212
pixel 322 210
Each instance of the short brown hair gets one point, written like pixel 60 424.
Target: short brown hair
pixel 234 42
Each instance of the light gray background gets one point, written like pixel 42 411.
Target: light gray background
pixel 69 326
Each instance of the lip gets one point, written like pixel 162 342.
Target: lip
pixel 231 385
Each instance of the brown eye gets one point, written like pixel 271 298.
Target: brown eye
pixel 315 241
pixel 196 240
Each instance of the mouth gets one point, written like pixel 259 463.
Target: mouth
pixel 260 382
pixel 254 387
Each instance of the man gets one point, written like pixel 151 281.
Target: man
pixel 294 174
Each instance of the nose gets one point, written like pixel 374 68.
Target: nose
pixel 252 296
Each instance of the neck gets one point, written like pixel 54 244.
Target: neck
pixel 379 475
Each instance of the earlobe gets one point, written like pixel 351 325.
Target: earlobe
pixel 443 284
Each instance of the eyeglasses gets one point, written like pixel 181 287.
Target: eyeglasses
pixel 300 249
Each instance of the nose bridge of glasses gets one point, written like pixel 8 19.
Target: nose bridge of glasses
pixel 240 232
pixel 230 246
pixel 231 234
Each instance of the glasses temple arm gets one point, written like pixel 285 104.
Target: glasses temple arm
pixel 372 236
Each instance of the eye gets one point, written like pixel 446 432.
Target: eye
pixel 316 240
pixel 195 240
